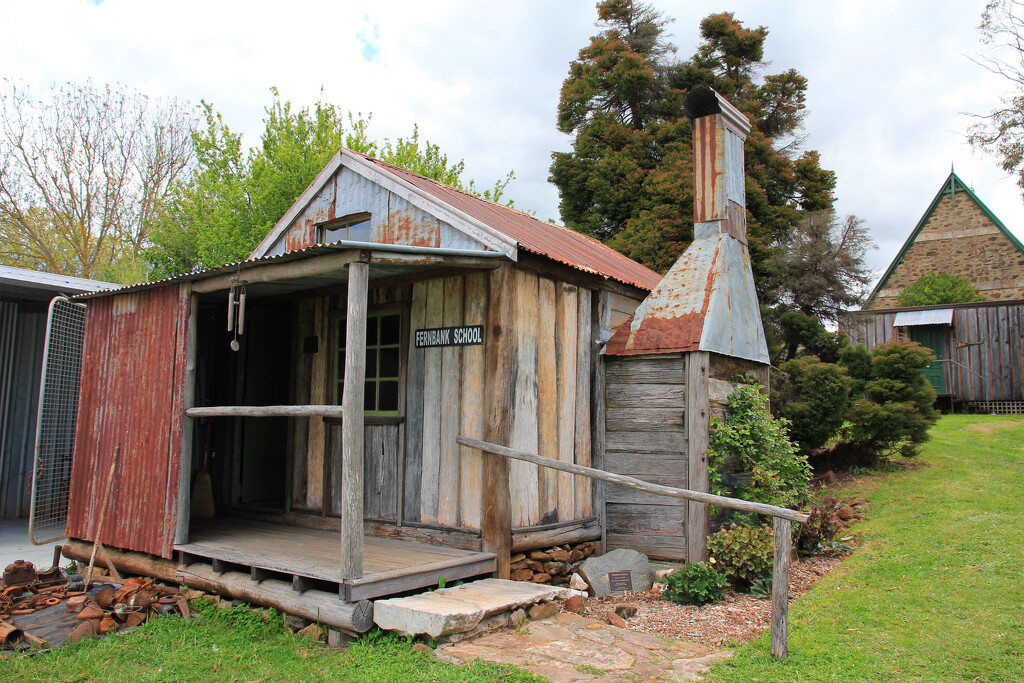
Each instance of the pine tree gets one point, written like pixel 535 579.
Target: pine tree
pixel 629 177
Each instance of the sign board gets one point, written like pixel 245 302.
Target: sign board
pixel 463 335
pixel 620 581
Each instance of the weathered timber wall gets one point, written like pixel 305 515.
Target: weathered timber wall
pixel 393 219
pixel 984 340
pixel 646 438
pixel 413 467
pixel 133 354
pixel 313 450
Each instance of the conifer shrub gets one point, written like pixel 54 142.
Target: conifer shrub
pixel 896 410
pixel 814 396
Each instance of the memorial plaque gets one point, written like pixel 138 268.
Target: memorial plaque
pixel 620 581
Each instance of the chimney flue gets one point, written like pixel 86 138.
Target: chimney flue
pixel 719 129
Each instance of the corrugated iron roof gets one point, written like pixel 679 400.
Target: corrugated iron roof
pixel 536 236
pixel 934 316
pixel 54 282
pixel 298 254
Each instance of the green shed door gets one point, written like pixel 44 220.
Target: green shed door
pixel 932 337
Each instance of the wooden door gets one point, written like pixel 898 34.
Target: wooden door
pixel 933 337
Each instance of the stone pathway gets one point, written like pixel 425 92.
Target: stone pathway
pixel 568 647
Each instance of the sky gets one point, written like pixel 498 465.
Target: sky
pixel 891 85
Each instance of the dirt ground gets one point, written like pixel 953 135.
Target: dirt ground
pixel 736 619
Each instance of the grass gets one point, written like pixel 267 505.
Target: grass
pixel 934 591
pixel 238 645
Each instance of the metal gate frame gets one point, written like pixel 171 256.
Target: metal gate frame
pixel 55 424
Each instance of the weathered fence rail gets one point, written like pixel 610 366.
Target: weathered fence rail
pixel 783 519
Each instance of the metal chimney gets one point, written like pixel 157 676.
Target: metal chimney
pixel 707 300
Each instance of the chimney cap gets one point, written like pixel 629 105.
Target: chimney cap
pixel 705 101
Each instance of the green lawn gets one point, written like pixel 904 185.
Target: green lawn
pixel 935 590
pixel 237 645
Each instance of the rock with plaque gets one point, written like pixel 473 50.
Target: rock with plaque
pixel 620 571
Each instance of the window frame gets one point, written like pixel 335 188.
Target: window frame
pixel 337 359
pixel 346 222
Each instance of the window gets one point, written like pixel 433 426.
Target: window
pixel 383 363
pixel 353 227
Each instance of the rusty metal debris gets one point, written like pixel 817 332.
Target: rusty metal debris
pixel 115 607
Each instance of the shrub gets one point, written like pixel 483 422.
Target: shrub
pixel 749 433
pixel 934 289
pixel 856 360
pixel 821 527
pixel 742 553
pixel 801 332
pixel 695 584
pixel 897 410
pixel 814 396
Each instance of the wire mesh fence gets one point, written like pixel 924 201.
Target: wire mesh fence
pixel 55 429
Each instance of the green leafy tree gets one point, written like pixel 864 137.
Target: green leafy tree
pixel 628 179
pixel 236 195
pixel 934 289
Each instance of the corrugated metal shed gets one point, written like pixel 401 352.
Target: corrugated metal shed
pixel 536 236
pixel 934 316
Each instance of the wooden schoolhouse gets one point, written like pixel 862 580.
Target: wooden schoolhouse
pixel 317 389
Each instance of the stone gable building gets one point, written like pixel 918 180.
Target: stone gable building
pixel 978 346
pixel 957 233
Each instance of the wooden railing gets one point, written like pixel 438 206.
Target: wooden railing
pixel 783 519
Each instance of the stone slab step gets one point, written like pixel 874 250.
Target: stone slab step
pixel 460 608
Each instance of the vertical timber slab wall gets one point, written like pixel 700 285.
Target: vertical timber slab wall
pixel 440 484
pixel 645 437
pixel 985 341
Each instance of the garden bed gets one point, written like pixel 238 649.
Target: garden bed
pixel 736 619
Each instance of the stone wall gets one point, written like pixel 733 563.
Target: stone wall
pixel 959 238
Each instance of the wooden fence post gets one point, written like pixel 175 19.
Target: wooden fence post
pixel 780 588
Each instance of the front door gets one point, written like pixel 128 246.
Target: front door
pixel 933 337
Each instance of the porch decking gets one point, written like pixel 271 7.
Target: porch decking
pixel 310 558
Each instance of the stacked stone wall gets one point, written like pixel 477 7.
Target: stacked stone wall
pixel 959 238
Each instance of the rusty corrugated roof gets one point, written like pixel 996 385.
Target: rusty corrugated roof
pixel 539 237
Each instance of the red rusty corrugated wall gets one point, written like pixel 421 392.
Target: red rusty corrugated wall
pixel 131 394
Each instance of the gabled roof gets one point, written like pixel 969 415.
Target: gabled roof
pixel 495 225
pixel 952 185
